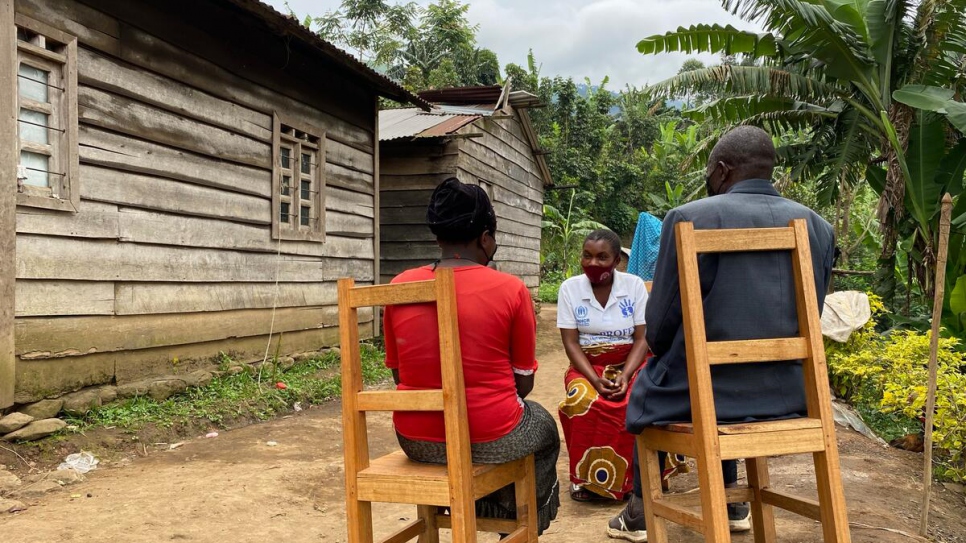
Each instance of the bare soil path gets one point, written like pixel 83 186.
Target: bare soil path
pixel 237 488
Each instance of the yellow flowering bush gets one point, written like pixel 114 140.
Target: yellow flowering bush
pixel 889 372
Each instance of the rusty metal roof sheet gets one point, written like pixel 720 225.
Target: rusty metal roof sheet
pixel 408 123
pixel 285 26
pixel 464 95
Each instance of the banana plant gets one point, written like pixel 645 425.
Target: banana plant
pixel 563 236
pixel 858 76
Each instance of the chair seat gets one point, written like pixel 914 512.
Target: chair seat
pixel 395 478
pixel 745 439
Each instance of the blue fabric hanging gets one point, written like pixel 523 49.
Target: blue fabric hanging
pixel 647 240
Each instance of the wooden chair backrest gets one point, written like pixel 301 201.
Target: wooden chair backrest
pixel 702 354
pixel 451 399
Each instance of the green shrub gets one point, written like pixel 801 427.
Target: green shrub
pixel 886 375
pixel 549 286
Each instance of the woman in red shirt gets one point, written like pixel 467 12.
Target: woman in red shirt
pixel 498 344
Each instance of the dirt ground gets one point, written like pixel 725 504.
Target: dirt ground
pixel 237 487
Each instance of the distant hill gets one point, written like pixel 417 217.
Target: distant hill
pixel 584 89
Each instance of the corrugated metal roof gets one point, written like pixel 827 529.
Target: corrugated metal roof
pixel 284 25
pixel 413 123
pixel 464 95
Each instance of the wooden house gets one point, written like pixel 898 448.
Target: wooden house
pixel 481 135
pixel 192 178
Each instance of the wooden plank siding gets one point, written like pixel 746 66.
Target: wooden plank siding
pixel 9 160
pixel 501 157
pixel 504 160
pixel 170 254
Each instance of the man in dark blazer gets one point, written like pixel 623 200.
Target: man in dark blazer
pixel 746 296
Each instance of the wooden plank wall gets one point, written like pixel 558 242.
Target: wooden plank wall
pixel 504 159
pixel 8 200
pixel 410 171
pixel 501 157
pixel 171 253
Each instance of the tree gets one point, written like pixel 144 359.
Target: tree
pixel 444 75
pixel 372 29
pixel 870 82
pixel 694 97
pixel 401 38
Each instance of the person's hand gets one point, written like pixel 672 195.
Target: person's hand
pixel 619 388
pixel 604 387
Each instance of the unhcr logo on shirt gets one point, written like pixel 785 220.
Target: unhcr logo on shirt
pixel 581 312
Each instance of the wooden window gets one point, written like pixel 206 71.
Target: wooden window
pixel 46 116
pixel 298 195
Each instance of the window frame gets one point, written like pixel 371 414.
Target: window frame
pixel 63 193
pixel 294 230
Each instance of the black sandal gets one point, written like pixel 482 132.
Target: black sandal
pixel 579 494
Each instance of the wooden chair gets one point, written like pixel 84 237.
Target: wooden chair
pixel 710 443
pixel 396 479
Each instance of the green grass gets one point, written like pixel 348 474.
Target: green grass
pixel 548 290
pixel 244 396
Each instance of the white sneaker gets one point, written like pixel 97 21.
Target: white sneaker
pixel 629 524
pixel 739 517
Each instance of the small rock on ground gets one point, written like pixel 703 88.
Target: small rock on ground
pixel 79 403
pixel 36 430
pixel 130 390
pixel 44 409
pixel 164 389
pixel 198 378
pixel 952 487
pixel 11 506
pixel 107 393
pixel 60 476
pixel 14 421
pixel 37 490
pixel 8 482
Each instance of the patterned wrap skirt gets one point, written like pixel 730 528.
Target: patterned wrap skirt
pixel 535 434
pixel 601 450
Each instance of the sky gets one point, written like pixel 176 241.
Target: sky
pixel 578 38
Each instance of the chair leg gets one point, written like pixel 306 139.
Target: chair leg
pixel 526 498
pixel 358 520
pixel 463 518
pixel 831 496
pixel 762 514
pixel 652 491
pixel 714 503
pixel 431 531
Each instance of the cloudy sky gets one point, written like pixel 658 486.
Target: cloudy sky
pixel 577 38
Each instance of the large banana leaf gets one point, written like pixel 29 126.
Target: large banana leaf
pixel 884 19
pixel 927 138
pixel 737 108
pixel 850 12
pixel 952 168
pixel 811 27
pixel 715 39
pixel 936 99
pixel 747 80
pixel 876 177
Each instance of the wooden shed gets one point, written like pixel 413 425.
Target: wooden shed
pixel 481 135
pixel 192 177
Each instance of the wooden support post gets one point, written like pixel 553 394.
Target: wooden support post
pixel 937 311
pixel 8 198
pixel 376 231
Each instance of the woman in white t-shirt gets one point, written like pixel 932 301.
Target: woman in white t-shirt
pixel 601 319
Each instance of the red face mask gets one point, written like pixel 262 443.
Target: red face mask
pixel 599 274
